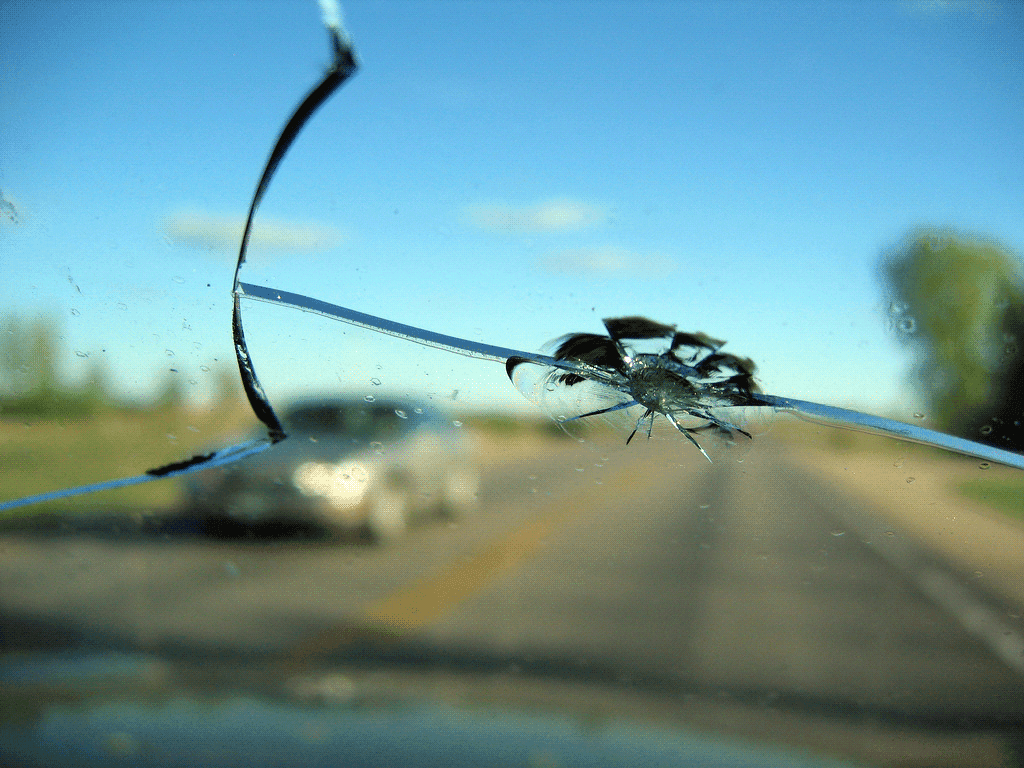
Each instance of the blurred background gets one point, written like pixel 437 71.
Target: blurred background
pixel 833 189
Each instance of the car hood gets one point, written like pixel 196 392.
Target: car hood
pixel 107 709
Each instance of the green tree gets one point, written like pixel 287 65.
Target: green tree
pixel 28 351
pixel 227 388
pixel 30 383
pixel 958 301
pixel 172 393
pixel 95 391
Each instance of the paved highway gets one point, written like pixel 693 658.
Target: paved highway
pixel 750 596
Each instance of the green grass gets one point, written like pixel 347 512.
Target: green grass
pixel 1006 496
pixel 41 455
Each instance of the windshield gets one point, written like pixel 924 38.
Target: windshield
pixel 639 324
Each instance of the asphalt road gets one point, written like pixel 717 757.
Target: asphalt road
pixel 751 595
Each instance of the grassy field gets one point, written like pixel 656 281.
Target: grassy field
pixel 1006 496
pixel 51 454
pixel 1002 494
pixel 42 455
pixel 37 456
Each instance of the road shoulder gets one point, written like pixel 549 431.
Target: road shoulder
pixel 916 495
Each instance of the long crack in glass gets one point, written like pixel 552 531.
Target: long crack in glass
pixel 695 386
pixel 341 68
pixel 714 387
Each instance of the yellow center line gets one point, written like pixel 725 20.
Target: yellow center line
pixel 429 598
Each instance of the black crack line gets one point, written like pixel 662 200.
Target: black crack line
pixel 343 67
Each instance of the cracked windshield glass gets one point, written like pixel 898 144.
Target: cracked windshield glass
pixel 537 384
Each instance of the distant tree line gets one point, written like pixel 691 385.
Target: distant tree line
pixel 958 302
pixel 31 383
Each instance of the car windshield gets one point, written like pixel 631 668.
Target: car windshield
pixel 591 383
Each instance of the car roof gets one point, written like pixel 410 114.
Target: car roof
pixel 335 413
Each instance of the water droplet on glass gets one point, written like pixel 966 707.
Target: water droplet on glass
pixel 121 305
pixel 918 415
pixel 79 353
pixel 899 462
pixel 369 398
pixel 910 480
pixel 984 465
pixel 377 447
pixel 890 533
pixel 986 430
pixel 838 533
pixel 375 381
pixel 204 368
pixel 907 325
pixel 456 423
pixel 178 280
pixel 75 312
pixel 169 352
pixel 417 410
pixel 705 506
pixel 401 414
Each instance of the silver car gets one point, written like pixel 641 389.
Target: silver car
pixel 349 466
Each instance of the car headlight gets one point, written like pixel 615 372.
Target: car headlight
pixel 341 484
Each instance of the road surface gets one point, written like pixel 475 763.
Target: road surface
pixel 747 597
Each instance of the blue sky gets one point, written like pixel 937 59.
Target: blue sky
pixel 507 172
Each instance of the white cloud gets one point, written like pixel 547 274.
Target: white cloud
pixel 213 233
pixel 559 215
pixel 607 260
